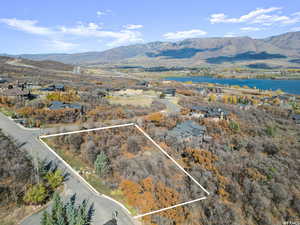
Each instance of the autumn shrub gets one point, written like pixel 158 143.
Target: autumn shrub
pixel 54 179
pixel 36 194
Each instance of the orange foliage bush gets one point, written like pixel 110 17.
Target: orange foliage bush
pixel 69 96
pixel 157 118
pixel 206 159
pixel 148 196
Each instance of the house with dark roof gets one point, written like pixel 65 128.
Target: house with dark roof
pixel 100 92
pixel 2 80
pixel 16 92
pixel 54 87
pixel 188 132
pixel 170 92
pixel 197 111
pixel 143 83
pixel 217 113
pixel 296 118
pixel 202 91
pixel 57 105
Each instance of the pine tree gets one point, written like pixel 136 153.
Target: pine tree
pixel 101 164
pixel 57 207
pixel 68 213
pixel 46 219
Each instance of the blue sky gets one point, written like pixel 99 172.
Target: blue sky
pixel 68 26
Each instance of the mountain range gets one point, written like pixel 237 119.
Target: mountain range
pixel 279 50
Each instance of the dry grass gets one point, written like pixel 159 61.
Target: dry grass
pixel 144 101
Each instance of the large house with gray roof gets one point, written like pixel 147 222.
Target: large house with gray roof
pixel 188 132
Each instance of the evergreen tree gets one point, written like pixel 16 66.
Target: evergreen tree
pixel 46 219
pixel 68 213
pixel 101 164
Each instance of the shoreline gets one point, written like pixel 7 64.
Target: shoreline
pixel 288 86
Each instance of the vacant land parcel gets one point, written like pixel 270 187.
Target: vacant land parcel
pixel 127 165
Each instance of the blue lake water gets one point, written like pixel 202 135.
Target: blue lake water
pixel 289 86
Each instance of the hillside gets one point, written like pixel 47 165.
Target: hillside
pixel 194 51
pixel 288 41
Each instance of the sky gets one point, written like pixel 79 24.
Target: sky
pixel 71 26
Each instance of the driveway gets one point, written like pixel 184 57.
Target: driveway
pixel 104 207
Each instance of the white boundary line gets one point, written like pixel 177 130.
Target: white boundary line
pixel 88 130
pixel 173 160
pixel 120 204
pixel 171 207
pixel 82 179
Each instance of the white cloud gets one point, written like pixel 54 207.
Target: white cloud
pixel 59 45
pixel 103 12
pixel 28 26
pixel 251 29
pixel 184 34
pixel 56 37
pixel 222 18
pixel 133 26
pixel 265 17
pixel 120 37
pixel 126 37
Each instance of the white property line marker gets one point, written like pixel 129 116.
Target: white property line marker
pixel 149 138
pixel 173 160
pixel 171 207
pixel 88 130
pixel 82 179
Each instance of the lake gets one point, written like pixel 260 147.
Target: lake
pixel 289 86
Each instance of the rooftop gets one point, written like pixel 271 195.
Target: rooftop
pixel 188 129
pixel 55 105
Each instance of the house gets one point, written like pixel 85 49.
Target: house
pixel 296 118
pixel 2 80
pixel 202 91
pixel 15 92
pixel 188 132
pixel 57 105
pixel 100 92
pixel 143 83
pixel 216 114
pixel 244 106
pixel 54 87
pixel 171 92
pixel 215 90
pixel 198 111
pixel 59 87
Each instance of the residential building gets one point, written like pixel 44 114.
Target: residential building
pixel 57 105
pixel 188 132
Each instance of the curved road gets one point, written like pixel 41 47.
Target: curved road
pixel 104 207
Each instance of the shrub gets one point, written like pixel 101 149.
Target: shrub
pixel 36 194
pixel 271 130
pixel 54 179
pixel 212 98
pixel 234 126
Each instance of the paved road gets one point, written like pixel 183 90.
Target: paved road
pixel 103 206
